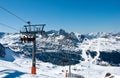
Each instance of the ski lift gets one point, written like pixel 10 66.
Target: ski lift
pixel 27 39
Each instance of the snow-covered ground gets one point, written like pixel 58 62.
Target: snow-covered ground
pixel 102 43
pixel 20 67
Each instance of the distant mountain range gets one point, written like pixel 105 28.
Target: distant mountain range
pixel 63 48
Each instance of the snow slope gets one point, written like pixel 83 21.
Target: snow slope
pixel 20 68
pixel 9 55
pixel 13 66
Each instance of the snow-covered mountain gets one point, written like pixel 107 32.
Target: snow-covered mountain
pixel 98 48
pixel 85 52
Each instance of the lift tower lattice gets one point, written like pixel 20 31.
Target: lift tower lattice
pixel 30 32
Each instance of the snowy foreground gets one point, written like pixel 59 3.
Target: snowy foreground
pixel 20 68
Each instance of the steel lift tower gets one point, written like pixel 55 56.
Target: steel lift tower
pixel 29 31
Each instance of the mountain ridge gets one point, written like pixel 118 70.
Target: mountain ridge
pixel 87 46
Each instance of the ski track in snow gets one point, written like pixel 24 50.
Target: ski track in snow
pixel 97 50
pixel 84 49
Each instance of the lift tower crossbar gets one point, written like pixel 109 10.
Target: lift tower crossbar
pixel 32 30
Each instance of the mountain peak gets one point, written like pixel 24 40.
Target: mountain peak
pixel 62 32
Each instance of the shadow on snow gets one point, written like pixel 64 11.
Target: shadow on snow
pixel 12 73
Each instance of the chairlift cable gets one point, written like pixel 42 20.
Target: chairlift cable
pixel 8 26
pixel 13 14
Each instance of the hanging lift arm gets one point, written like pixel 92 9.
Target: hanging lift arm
pixel 33 29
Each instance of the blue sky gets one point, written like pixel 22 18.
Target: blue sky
pixel 81 16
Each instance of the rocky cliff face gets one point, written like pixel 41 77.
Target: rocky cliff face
pixel 2 50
